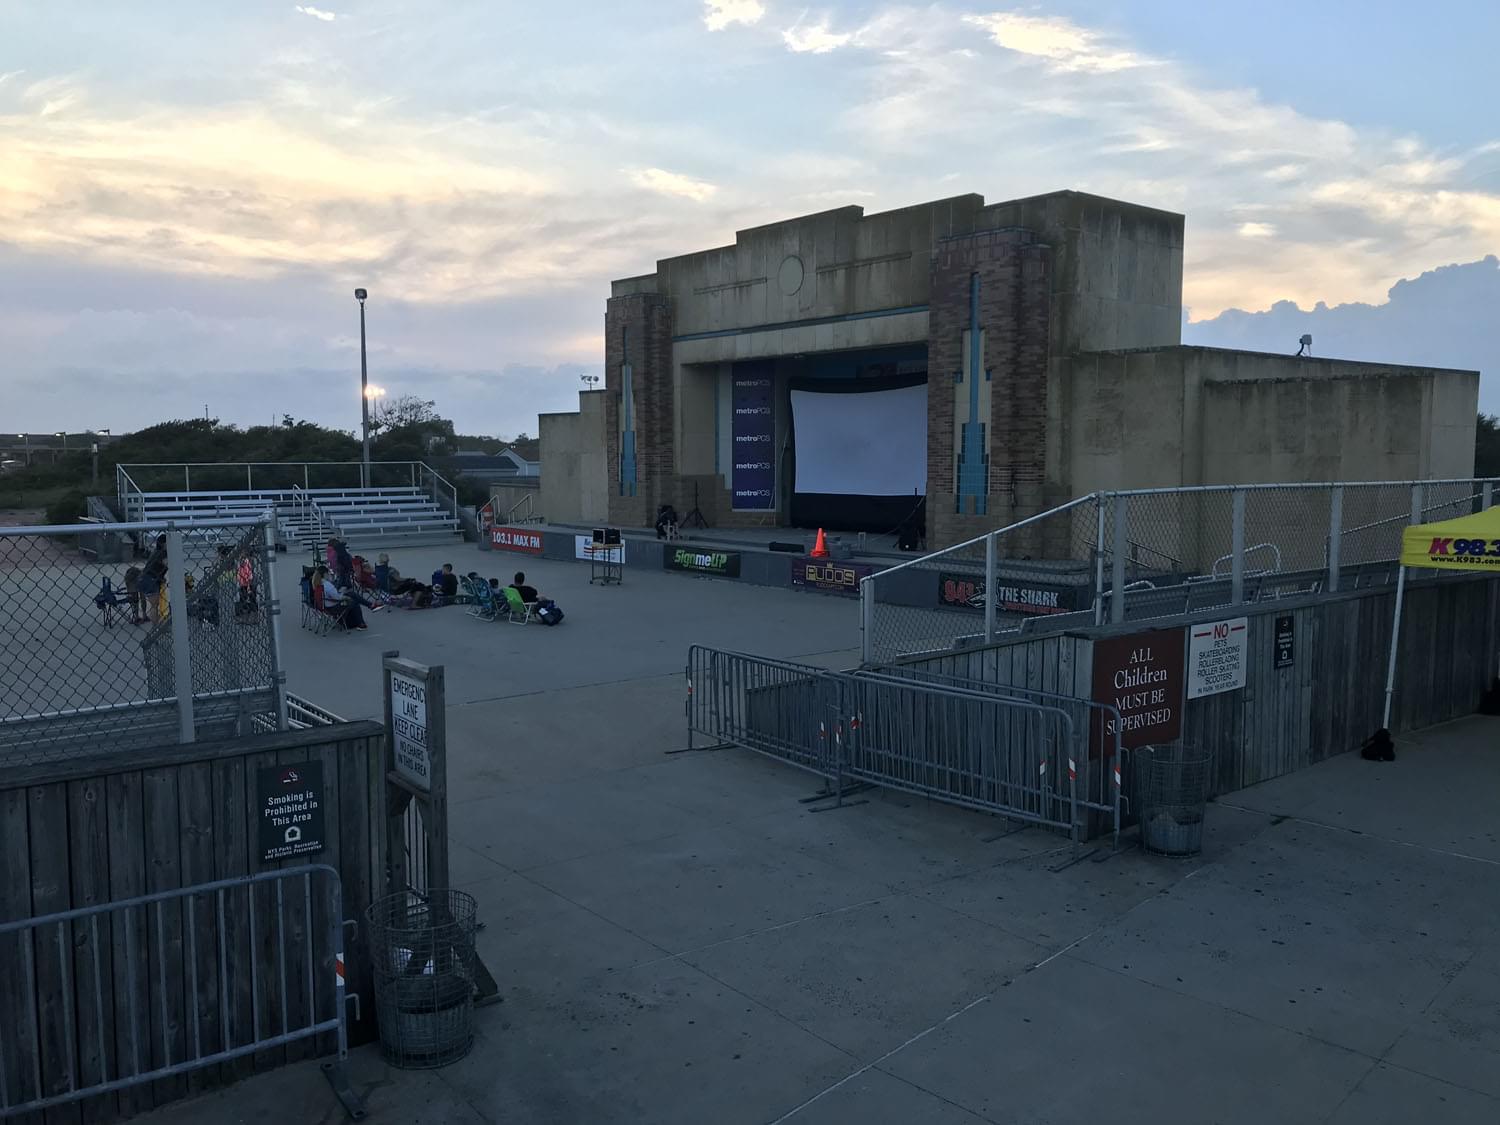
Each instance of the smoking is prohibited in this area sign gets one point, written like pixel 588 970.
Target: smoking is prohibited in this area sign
pixel 1216 656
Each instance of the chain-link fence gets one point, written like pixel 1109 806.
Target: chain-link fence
pixel 1152 553
pixel 93 650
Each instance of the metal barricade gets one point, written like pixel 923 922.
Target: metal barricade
pixel 104 998
pixel 1100 757
pixel 969 745
pixel 784 710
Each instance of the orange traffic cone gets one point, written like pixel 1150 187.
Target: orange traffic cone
pixel 820 548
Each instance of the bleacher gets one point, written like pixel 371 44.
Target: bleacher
pixel 364 517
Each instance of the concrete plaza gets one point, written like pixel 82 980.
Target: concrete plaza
pixel 679 940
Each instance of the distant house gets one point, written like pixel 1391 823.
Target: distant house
pixel 513 463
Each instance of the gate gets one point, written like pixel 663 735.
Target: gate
pixel 1021 755
pixel 147 989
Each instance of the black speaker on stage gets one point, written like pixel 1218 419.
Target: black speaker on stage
pixel 790 548
pixel 607 536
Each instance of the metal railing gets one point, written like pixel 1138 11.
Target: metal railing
pixel 105 998
pixel 523 510
pixel 118 656
pixel 1024 756
pixel 1165 551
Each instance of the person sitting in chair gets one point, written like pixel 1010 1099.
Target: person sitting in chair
pixel 666 522
pixel 445 582
pixel 334 602
pixel 528 593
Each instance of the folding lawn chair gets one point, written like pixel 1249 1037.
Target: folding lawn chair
pixel 520 612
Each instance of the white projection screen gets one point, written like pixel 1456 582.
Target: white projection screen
pixel 860 450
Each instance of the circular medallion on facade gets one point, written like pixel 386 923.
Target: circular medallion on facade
pixel 789 276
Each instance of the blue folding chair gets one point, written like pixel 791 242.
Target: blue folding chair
pixel 107 598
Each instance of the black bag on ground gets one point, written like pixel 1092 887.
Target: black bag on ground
pixel 548 613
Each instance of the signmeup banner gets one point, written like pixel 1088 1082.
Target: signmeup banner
pixel 725 564
pixel 753 430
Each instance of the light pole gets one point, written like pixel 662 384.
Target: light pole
pixel 364 391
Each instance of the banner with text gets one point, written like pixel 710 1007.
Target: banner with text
pixel 834 577
pixel 753 432
pixel 516 539
pixel 966 591
pixel 586 549
pixel 724 564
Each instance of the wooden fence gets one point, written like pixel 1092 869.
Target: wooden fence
pixel 1327 702
pixel 86 831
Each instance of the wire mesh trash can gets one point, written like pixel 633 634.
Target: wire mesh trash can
pixel 422 950
pixel 1172 784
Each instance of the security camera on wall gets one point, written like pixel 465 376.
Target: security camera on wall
pixel 1306 342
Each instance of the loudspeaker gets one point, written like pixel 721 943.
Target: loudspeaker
pixel 790 548
pixel 607 536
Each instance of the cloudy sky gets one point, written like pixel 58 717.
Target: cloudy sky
pixel 189 192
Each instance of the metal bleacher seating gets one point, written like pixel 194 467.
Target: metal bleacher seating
pixel 395 516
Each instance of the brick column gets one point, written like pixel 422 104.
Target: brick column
pixel 638 332
pixel 1012 268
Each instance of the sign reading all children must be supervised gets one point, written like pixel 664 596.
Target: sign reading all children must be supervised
pixel 409 730
pixel 1216 657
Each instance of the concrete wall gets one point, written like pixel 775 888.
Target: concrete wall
pixel 1182 416
pixel 574 479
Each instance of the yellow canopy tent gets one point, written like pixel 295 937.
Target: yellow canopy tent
pixel 1469 543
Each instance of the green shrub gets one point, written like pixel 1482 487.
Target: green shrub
pixel 67 508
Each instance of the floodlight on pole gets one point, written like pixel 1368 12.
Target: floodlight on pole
pixel 364 391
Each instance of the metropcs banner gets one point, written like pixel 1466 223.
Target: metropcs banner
pixel 1468 543
pixel 753 433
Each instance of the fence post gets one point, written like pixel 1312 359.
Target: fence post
pixel 1486 495
pixel 187 478
pixel 989 587
pixel 248 486
pixel 1099 559
pixel 1416 504
pixel 304 476
pixel 1237 547
pixel 273 616
pixel 1121 547
pixel 182 657
pixel 867 619
pixel 1335 536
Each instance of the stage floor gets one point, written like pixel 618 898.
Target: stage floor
pixel 863 546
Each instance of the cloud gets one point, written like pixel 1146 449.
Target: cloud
pixel 318 13
pixel 1350 207
pixel 1443 318
pixel 50 96
pixel 815 38
pixel 1060 41
pixel 672 183
pixel 719 14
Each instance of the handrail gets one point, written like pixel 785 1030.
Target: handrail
pixel 981 538
pixel 1213 571
pixel 527 502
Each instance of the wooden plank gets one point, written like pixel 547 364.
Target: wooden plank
pixel 268 948
pixel 93 970
pixel 105 765
pixel 163 844
pixel 231 848
pixel 51 892
pixel 196 814
pixel 125 813
pixel 327 925
pixel 18 1048
pixel 296 902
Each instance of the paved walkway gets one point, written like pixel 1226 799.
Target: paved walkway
pixel 679 940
